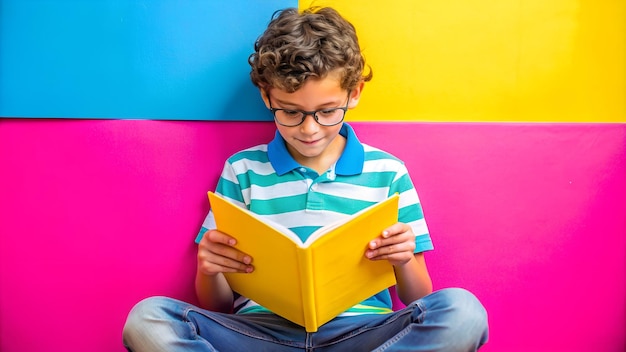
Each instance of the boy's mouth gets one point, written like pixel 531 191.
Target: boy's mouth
pixel 312 142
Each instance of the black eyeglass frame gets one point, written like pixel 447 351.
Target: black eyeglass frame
pixel 307 113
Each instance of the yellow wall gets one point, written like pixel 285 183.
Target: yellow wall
pixel 491 60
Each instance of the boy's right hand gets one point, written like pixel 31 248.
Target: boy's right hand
pixel 217 254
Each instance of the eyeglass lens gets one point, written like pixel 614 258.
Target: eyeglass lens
pixel 326 117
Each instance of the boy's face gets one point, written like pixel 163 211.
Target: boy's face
pixel 310 143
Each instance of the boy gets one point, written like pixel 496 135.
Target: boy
pixel 310 71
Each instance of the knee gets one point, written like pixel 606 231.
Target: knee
pixel 465 311
pixel 464 303
pixel 142 318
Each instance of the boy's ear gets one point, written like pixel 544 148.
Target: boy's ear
pixel 265 96
pixel 355 95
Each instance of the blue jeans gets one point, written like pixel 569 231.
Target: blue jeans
pixel 446 320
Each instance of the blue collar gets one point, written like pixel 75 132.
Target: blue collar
pixel 350 162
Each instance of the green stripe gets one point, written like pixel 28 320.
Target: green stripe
pixel 254 155
pixel 368 179
pixel 410 213
pixel 379 155
pixel 229 189
pixel 267 180
pixel 360 308
pixel 423 243
pixel 343 205
pixel 303 232
pixel 402 184
pixel 278 205
pixel 253 309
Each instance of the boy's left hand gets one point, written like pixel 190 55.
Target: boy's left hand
pixel 396 244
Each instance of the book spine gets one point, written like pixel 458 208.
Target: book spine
pixel 305 265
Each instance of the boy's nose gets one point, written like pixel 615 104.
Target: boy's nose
pixel 309 125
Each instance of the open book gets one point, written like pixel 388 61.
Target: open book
pixel 308 283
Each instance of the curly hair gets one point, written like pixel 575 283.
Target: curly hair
pixel 312 43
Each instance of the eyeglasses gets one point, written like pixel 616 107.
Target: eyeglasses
pixel 294 117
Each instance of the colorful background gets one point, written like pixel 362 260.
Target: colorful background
pixel 510 115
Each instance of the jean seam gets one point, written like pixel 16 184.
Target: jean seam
pixel 392 318
pixel 409 309
pixel 193 326
pixel 234 328
pixel 423 310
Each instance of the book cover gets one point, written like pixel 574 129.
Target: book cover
pixel 308 283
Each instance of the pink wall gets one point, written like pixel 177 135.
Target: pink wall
pixel 95 215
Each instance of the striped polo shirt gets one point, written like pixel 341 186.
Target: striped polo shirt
pixel 268 181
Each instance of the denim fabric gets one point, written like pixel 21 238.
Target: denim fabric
pixel 446 320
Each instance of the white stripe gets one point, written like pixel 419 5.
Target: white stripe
pixel 234 201
pixel 381 165
pixel 306 218
pixel 408 197
pixel 209 222
pixel 229 174
pixel 259 147
pixel 357 192
pixel 284 189
pixel 369 148
pixel 261 168
pixel 419 227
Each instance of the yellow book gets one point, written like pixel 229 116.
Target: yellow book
pixel 308 283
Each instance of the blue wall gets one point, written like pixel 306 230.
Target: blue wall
pixel 131 59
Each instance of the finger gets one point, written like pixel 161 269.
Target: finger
pixel 219 237
pixel 394 258
pixel 231 265
pixel 395 229
pixel 216 254
pixel 391 235
pixel 390 250
pixel 210 268
pixel 209 248
pixel 390 240
pixel 231 253
pixel 214 262
pixel 223 244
